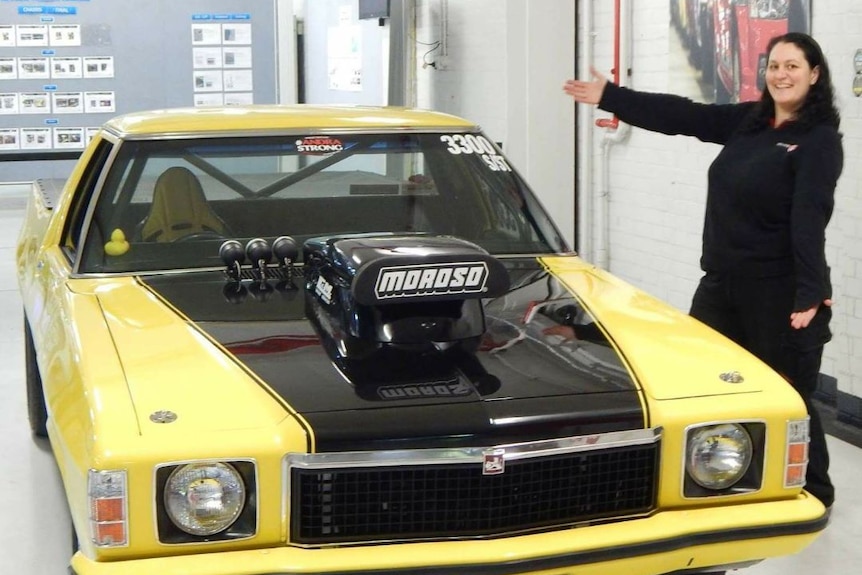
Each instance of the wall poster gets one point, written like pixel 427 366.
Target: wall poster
pixel 718 49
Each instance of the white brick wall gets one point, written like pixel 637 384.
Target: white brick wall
pixel 838 27
pixel 657 183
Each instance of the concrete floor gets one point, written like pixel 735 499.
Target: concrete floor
pixel 35 533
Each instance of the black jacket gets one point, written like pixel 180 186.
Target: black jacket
pixel 770 192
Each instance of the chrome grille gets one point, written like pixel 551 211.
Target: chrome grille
pixel 435 494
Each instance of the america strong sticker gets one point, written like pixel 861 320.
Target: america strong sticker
pixel 318 145
pixel 431 279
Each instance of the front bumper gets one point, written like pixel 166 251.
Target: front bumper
pixel 686 540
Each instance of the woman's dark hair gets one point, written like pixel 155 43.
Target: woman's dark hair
pixel 819 105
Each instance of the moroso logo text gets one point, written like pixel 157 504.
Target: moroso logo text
pixel 435 279
pixel 424 390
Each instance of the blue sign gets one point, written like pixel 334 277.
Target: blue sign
pixel 59 10
pixel 235 16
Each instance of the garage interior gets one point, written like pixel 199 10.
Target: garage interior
pixel 557 148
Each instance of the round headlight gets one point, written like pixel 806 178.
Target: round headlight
pixel 204 498
pixel 718 455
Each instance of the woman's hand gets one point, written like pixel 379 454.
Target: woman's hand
pixel 587 92
pixel 801 319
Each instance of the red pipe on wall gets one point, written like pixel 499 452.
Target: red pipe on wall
pixel 613 123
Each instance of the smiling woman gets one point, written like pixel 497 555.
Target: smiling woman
pixel 789 78
pixel 766 283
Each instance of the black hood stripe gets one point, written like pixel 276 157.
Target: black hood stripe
pixel 605 334
pixel 541 368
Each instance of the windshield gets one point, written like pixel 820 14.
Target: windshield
pixel 169 204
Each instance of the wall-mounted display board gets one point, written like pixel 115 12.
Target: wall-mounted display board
pixel 66 66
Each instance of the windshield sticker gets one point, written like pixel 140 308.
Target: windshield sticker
pixel 317 145
pixel 458 144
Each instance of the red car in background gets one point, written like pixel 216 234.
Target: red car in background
pixel 740 32
pixel 690 19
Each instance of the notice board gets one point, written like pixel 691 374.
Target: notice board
pixel 66 66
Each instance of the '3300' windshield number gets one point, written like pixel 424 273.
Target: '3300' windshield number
pixel 479 145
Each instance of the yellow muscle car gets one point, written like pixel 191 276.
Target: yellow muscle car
pixel 276 340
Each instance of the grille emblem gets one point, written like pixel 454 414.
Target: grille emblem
pixel 493 462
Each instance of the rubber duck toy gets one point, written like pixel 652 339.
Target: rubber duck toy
pixel 118 244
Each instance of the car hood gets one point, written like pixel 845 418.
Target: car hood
pixel 225 355
pixel 672 355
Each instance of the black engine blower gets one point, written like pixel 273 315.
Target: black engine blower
pixel 419 292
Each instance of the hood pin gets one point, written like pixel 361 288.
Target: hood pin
pixel 731 377
pixel 163 416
